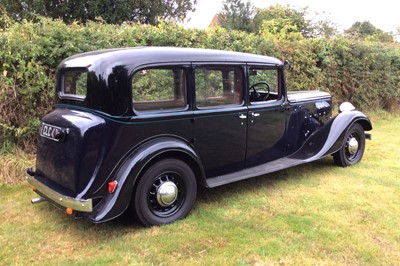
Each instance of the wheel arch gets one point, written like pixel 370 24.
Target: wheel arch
pixel 365 123
pixel 193 163
pixel 343 122
pixel 135 164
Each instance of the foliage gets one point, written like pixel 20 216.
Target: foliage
pixel 13 164
pixel 281 17
pixel 236 15
pixel 280 29
pixel 323 27
pixel 364 72
pixel 110 11
pixel 5 20
pixel 278 19
pixel 366 31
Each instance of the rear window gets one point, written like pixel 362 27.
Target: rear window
pixel 74 82
pixel 218 86
pixel 159 90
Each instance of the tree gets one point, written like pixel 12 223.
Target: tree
pixel 397 35
pixel 366 31
pixel 4 18
pixel 277 18
pixel 236 15
pixel 282 17
pixel 323 27
pixel 110 11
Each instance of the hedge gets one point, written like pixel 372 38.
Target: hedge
pixel 365 73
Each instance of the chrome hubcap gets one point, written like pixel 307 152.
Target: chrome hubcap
pixel 167 193
pixel 352 146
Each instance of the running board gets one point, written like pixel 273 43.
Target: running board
pixel 259 170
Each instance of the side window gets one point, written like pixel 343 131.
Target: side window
pixel 74 82
pixel 218 86
pixel 159 90
pixel 264 84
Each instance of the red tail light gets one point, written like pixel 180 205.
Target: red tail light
pixel 112 185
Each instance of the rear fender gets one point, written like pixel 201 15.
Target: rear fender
pixel 114 204
pixel 330 138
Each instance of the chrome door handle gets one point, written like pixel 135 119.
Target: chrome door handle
pixel 242 116
pixel 255 114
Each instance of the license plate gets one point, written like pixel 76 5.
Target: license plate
pixel 50 132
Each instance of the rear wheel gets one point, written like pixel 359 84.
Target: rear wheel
pixel 165 193
pixel 353 148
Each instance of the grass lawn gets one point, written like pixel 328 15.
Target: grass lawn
pixel 314 214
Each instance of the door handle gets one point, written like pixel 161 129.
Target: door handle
pixel 242 116
pixel 255 114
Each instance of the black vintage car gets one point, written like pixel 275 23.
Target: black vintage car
pixel 140 129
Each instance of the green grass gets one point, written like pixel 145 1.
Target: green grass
pixel 314 214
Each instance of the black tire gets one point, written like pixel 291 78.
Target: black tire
pixel 350 153
pixel 165 193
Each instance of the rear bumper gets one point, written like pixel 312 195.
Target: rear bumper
pixel 82 205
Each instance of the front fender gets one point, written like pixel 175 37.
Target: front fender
pixel 330 137
pixel 341 125
pixel 114 204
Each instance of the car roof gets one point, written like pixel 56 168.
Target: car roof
pixel 136 56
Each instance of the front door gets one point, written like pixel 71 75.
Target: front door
pixel 267 117
pixel 220 118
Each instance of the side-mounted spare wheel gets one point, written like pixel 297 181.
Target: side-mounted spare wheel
pixel 353 147
pixel 165 193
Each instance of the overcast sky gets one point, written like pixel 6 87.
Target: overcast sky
pixel 383 14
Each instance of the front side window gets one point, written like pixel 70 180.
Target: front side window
pixel 264 84
pixel 159 89
pixel 74 82
pixel 218 86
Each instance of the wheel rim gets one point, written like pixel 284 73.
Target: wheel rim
pixel 352 146
pixel 165 196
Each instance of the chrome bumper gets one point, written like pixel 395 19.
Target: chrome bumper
pixel 62 200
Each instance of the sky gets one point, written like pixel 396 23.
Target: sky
pixel 383 14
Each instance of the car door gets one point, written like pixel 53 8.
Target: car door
pixel 267 115
pixel 220 118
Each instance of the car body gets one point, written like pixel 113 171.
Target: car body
pixel 139 129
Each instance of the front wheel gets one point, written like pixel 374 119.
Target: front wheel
pixel 165 193
pixel 353 148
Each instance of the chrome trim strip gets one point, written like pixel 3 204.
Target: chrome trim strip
pixel 67 202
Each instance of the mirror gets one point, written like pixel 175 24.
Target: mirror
pixel 287 65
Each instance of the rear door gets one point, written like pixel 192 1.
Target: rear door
pixel 220 118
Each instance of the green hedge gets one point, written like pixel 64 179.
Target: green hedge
pixel 365 73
